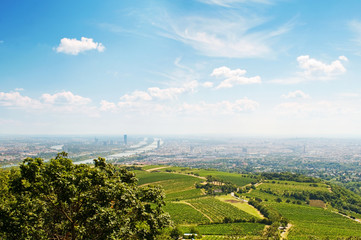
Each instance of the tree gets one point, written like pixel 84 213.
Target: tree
pixel 62 200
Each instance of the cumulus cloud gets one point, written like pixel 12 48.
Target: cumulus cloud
pixel 233 77
pixel 136 95
pixel 64 98
pixel 167 93
pixel 343 58
pixel 157 94
pixel 16 100
pixel 107 106
pixel 63 102
pixel 296 94
pixel 207 84
pixel 313 69
pixel 74 46
pixel 316 69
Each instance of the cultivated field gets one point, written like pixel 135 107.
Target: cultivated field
pixel 225 217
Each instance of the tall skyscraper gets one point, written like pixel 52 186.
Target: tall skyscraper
pixel 125 139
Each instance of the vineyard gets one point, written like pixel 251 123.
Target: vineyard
pixel 218 210
pixel 183 213
pixel 317 222
pixel 263 208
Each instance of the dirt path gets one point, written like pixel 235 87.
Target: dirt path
pixel 210 219
pixel 256 185
pixel 192 175
pixel 287 230
pixel 153 169
pixel 355 219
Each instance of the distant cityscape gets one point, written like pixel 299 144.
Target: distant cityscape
pixel 338 159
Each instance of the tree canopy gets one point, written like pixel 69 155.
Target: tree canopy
pixel 63 200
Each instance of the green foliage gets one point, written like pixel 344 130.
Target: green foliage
pixel 289 177
pixel 216 186
pixel 235 178
pixel 60 200
pixel 176 233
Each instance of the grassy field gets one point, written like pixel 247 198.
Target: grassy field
pixel 244 206
pixel 218 210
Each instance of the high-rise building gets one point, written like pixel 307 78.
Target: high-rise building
pixel 125 139
pixel 158 143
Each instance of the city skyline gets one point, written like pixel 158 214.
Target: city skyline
pixel 224 67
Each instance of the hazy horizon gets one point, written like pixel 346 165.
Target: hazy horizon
pixel 245 68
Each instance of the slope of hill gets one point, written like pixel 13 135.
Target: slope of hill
pixel 219 204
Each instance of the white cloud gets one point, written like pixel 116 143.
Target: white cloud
pixel 63 102
pixel 232 36
pixel 208 84
pixel 64 98
pixel 19 89
pixel 136 95
pixel 167 93
pixel 156 93
pixel 316 69
pixel 74 46
pixel 15 99
pixel 107 106
pixel 233 77
pixel 296 94
pixel 313 70
pixel 343 58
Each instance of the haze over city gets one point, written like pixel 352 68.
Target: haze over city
pixel 242 67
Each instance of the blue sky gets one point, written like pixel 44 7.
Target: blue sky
pixel 240 67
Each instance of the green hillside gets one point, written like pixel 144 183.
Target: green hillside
pixel 164 202
pixel 269 206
